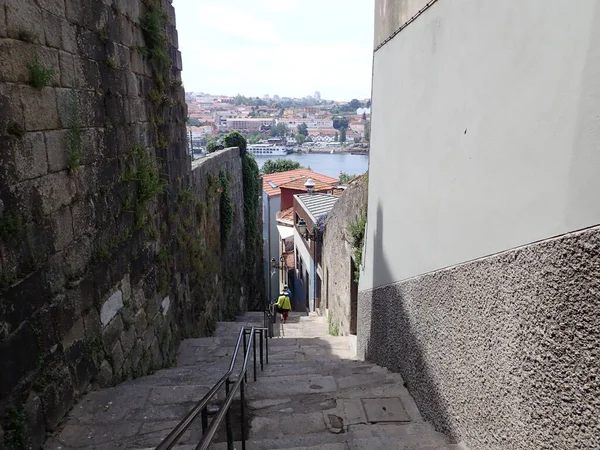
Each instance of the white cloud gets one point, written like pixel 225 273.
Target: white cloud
pixel 280 47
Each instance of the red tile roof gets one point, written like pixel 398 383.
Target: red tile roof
pixel 298 185
pixel 287 215
pixel 272 181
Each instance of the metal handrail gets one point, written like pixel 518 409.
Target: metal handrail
pixel 224 410
pixel 202 406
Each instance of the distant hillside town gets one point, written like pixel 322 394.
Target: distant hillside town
pixel 279 125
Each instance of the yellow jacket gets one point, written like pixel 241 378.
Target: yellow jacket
pixel 284 302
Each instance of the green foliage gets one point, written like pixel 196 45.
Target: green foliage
pixel 346 178
pixel 150 184
pixel 343 135
pixel 303 129
pixel 333 326
pixel 16 432
pixel 252 192
pixel 235 139
pixel 153 26
pixel 279 165
pixel 368 131
pixel 356 233
pixel 185 197
pixel 74 152
pixel 354 104
pixel 280 130
pixel 300 138
pixel 336 137
pixel 225 208
pixel 254 137
pixel 112 63
pixel 39 76
pixel 340 122
pixel 212 144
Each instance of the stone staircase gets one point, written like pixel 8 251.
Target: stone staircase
pixel 312 394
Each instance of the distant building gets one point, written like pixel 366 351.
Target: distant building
pixel 317 95
pixel 311 124
pixel 271 201
pixel 310 211
pixel 242 124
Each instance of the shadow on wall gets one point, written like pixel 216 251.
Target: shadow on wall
pixel 391 341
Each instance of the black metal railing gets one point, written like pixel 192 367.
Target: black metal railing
pixel 223 412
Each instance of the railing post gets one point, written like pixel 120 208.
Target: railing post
pixel 262 366
pixel 243 426
pixel 267 347
pixel 245 347
pixel 254 351
pixel 204 419
pixel 228 421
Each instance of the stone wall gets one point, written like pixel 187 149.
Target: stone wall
pixel 501 352
pixel 338 269
pixel 112 248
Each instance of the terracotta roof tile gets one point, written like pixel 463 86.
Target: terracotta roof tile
pixel 287 215
pixel 271 182
pixel 298 185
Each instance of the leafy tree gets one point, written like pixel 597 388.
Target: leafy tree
pixel 340 122
pixel 279 130
pixel 300 138
pixel 343 135
pixel 194 122
pixel 368 105
pixel 235 139
pixel 336 137
pixel 368 131
pixel 254 137
pixel 354 104
pixel 364 116
pixel 279 165
pixel 303 129
pixel 212 144
pixel 346 178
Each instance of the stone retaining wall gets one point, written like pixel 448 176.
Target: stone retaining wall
pixel 111 246
pixel 337 256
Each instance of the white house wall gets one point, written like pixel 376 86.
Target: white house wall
pixel 485 133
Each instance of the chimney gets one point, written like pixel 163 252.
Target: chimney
pixel 310 186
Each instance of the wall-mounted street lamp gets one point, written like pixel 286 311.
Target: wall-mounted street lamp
pixel 308 235
pixel 281 264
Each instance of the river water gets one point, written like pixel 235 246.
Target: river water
pixel 326 163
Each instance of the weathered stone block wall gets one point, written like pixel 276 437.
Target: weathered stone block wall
pixel 501 352
pixel 111 246
pixel 338 254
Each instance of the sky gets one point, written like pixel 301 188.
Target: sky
pixel 289 48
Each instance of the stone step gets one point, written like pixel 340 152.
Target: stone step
pixel 389 436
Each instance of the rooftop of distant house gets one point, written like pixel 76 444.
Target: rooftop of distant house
pixel 317 205
pixel 271 182
pixel 286 216
pixel 298 185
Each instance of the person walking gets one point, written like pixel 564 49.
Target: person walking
pixel 283 306
pixel 288 292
